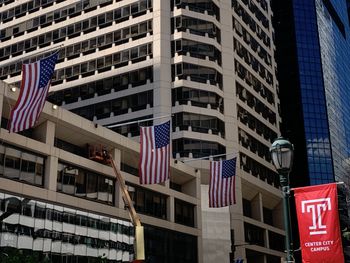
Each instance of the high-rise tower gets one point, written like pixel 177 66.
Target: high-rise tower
pixel 312 39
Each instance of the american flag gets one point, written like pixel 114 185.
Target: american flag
pixel 222 183
pixel 36 78
pixel 155 153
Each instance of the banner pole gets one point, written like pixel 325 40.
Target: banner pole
pixel 293 189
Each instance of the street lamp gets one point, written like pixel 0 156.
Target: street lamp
pixel 282 157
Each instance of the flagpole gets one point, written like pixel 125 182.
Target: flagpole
pixel 293 189
pixel 29 55
pixel 206 157
pixel 138 121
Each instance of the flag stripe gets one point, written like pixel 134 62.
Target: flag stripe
pixel 154 154
pixel 34 88
pixel 27 83
pixel 222 183
pixel 33 73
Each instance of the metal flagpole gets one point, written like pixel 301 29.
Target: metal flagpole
pixel 206 157
pixel 138 121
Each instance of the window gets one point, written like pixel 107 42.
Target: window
pixel 76 181
pixel 184 213
pixel 148 202
pixel 21 165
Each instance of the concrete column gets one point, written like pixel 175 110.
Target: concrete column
pixel 237 222
pixel 171 208
pixel 229 87
pixel 216 231
pixel 161 59
pixel 1 104
pixel 116 154
pixel 51 167
pixel 45 132
pixel 198 216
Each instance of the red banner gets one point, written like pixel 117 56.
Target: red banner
pixel 318 221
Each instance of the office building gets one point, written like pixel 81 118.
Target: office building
pixel 312 39
pixel 58 204
pixel 207 63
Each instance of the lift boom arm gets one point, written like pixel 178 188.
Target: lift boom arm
pixel 135 219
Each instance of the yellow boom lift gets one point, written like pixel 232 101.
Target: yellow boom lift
pixel 100 154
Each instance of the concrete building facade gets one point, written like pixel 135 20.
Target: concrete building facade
pixel 65 207
pixel 207 63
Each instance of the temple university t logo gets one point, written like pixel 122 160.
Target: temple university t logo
pixel 316 207
pixel 318 223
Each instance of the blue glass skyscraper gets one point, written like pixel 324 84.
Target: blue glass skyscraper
pixel 313 57
pixel 313 52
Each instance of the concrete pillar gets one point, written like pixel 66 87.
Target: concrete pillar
pixel 116 154
pixel 1 104
pixel 161 59
pixel 45 132
pixel 171 208
pixel 216 231
pixel 51 168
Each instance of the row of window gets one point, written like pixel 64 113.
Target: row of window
pixel 252 144
pixel 20 165
pixel 198 148
pixel 254 124
pixel 21 10
pixel 250 40
pixel 198 123
pixel 101 87
pixel 74 239
pixel 198 98
pixel 196 26
pixel 83 152
pixel 258 170
pixel 252 61
pixel 199 6
pixel 195 49
pixel 196 73
pixel 103 20
pixel 253 82
pixel 249 21
pixel 117 37
pixel 254 9
pixel 79 182
pixel 72 148
pixel 40 210
pixel 255 104
pixel 117 106
pixel 102 64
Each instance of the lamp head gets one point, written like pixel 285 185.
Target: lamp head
pixel 282 155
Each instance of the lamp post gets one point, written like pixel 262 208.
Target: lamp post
pixel 282 157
